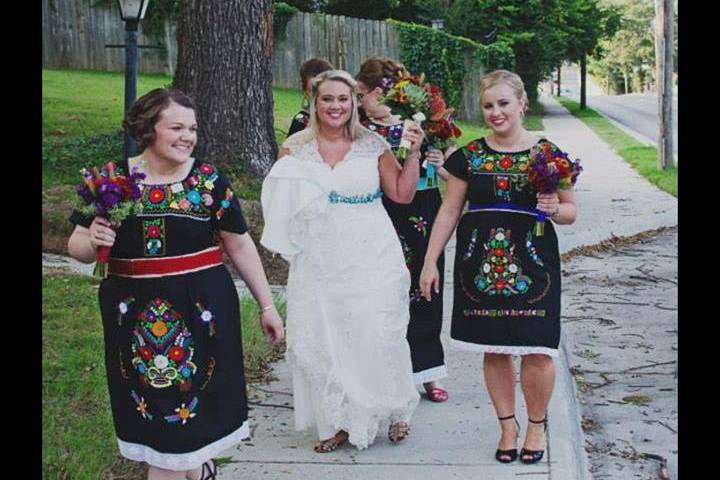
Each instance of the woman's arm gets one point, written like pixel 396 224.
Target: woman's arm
pixel 244 256
pixel 84 242
pixel 560 206
pixel 442 229
pixel 399 183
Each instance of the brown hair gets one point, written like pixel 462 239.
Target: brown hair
pixel 374 69
pixel 140 120
pixel 312 68
pixel 510 79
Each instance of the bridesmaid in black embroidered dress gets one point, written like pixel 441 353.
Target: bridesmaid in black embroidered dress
pixel 170 311
pixel 308 71
pixel 506 279
pixel 413 224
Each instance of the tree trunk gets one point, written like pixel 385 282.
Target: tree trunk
pixel 583 83
pixel 225 63
pixel 664 64
pixel 625 79
pixel 559 92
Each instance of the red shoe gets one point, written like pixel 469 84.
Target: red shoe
pixel 437 394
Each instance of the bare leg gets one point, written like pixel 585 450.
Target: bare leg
pixel 194 474
pixel 155 473
pixel 500 383
pixel 537 377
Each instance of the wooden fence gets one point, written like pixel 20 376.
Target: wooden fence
pixel 77 35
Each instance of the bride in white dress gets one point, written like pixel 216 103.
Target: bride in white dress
pixel 347 288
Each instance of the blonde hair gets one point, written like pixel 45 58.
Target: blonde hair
pixel 510 79
pixel 353 128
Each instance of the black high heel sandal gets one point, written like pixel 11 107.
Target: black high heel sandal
pixel 535 455
pixel 209 470
pixel 507 456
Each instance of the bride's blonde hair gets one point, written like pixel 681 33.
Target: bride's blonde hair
pixel 353 128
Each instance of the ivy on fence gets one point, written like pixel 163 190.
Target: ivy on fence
pixel 441 56
pixel 282 13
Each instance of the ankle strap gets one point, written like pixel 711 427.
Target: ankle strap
pixel 544 420
pixel 507 418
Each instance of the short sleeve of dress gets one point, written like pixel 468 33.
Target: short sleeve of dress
pixel 78 218
pixel 457 163
pixel 226 212
pixel 298 123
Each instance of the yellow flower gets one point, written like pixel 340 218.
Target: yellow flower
pixel 522 167
pixel 209 185
pixel 489 166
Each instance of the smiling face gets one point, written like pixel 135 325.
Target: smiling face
pixel 175 134
pixel 334 104
pixel 502 109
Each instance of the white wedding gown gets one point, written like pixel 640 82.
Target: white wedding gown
pixel 347 290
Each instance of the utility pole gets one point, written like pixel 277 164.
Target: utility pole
pixel 583 84
pixel 664 75
pixel 559 70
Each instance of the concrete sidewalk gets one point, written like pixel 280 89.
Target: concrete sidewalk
pixel 457 439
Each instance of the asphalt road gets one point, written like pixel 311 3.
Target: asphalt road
pixel 635 111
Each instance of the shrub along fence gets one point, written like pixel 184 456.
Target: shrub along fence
pixel 77 35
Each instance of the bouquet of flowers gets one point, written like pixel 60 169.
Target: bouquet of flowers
pixel 406 96
pixel 440 128
pixel 550 169
pixel 111 195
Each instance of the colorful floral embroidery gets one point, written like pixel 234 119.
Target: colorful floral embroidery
pixel 420 224
pixel 407 252
pixel 531 249
pixel 183 413
pixel 163 347
pixel 123 308
pixel 335 197
pixel 210 371
pixel 502 313
pixel 191 197
pixel 392 133
pixel 471 245
pixel 415 295
pixel 154 237
pixel 141 405
pixel 482 161
pixel 225 203
pixel 207 317
pixel 500 273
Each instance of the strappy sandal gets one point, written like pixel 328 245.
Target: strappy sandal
pixel 209 470
pixel 332 443
pixel 398 432
pixel 509 455
pixel 535 455
pixel 437 394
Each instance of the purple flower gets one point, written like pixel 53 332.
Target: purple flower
pixel 109 194
pixel 85 193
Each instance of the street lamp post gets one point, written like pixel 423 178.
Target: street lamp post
pixel 131 12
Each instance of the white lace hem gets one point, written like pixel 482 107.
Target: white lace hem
pixel 430 375
pixel 182 461
pixel 505 349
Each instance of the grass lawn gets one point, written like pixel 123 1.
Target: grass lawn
pixel 642 157
pixel 78 434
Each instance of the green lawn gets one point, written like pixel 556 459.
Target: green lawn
pixel 78 434
pixel 642 157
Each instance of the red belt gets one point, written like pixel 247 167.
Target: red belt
pixel 141 267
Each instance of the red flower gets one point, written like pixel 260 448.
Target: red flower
pixel 153 231
pixel 499 252
pixel 500 284
pixel 499 268
pixel 146 353
pixel 157 195
pixel 206 168
pixel 176 353
pixel 472 147
pixel 502 184
pixel 506 162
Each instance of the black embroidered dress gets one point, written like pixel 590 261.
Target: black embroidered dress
pixel 173 349
pixel 413 223
pixel 506 280
pixel 299 122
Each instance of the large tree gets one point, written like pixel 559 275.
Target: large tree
pixel 225 64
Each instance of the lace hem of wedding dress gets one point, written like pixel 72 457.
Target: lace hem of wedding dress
pixel 503 349
pixel 182 461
